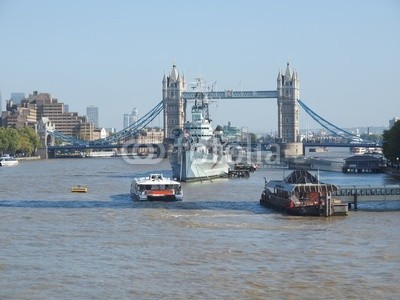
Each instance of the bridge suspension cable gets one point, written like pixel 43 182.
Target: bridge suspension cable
pixel 124 133
pixel 326 124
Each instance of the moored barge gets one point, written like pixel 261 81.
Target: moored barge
pixel 301 193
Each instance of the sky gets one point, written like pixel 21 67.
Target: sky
pixel 113 54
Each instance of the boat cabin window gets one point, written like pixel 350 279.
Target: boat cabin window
pixel 282 193
pixel 302 195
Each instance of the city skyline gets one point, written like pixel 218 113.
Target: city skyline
pixel 114 55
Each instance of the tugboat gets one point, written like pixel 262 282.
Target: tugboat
pixel 302 194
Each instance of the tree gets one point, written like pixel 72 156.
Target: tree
pixel 14 141
pixel 18 140
pixel 32 138
pixel 3 140
pixel 391 142
pixel 371 137
pixel 25 143
pixel 253 138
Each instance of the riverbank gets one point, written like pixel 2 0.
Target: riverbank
pixel 314 164
pixel 28 158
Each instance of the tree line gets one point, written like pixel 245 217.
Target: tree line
pixel 391 143
pixel 22 140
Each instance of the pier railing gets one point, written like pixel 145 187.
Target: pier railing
pixel 355 194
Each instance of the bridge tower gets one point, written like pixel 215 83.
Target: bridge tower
pixel 43 127
pixel 288 88
pixel 174 105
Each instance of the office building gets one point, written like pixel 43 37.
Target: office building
pixel 17 97
pixel 92 113
pixel 130 119
pixel 38 105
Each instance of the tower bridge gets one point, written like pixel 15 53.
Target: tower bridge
pixel 174 101
pixel 287 95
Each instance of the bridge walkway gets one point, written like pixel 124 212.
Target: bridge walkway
pixel 355 194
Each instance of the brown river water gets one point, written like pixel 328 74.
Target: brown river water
pixel 218 243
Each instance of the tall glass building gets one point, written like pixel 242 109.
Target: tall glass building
pixel 132 118
pixel 92 113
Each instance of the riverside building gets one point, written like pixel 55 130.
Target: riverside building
pixel 37 105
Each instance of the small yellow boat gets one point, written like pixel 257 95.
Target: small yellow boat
pixel 79 189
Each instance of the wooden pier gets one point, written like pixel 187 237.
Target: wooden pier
pixel 238 173
pixel 241 171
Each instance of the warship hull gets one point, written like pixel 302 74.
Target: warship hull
pixel 197 166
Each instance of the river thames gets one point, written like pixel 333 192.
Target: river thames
pixel 218 243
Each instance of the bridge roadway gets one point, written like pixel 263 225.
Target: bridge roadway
pixel 156 148
pixel 343 145
pixel 248 145
pixel 84 147
pixel 229 94
pixel 355 194
pixel 100 147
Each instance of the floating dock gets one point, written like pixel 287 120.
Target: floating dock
pixel 364 164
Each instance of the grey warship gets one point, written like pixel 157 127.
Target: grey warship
pixel 198 152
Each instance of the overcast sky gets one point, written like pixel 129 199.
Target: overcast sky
pixel 113 54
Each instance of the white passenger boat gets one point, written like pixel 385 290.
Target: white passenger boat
pixel 156 187
pixel 359 150
pixel 7 160
pixel 101 154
